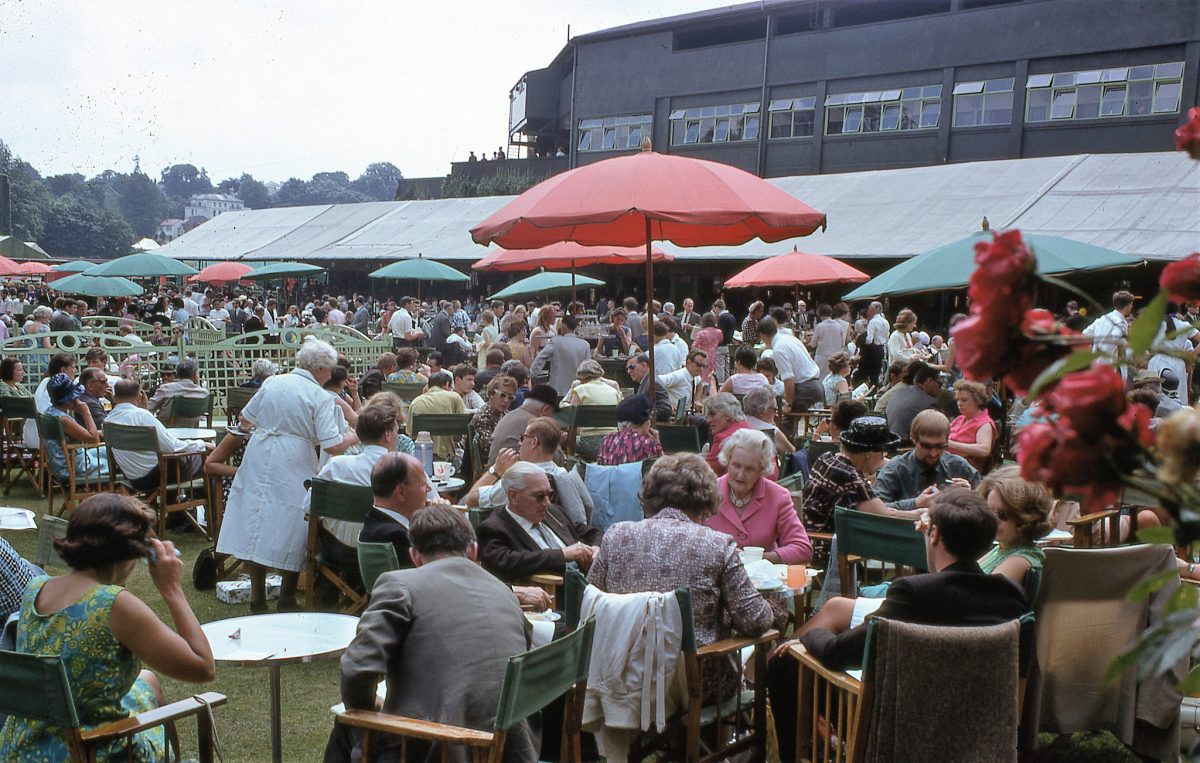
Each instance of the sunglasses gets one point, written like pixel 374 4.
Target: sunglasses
pixel 506 395
pixel 933 445
pixel 541 495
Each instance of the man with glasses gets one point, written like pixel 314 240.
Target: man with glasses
pixel 537 445
pixel 530 534
pixel 912 480
pixel 638 367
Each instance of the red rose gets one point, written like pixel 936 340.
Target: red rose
pixel 1187 137
pixel 999 287
pixel 1030 359
pixel 1136 421
pixel 976 340
pixel 1068 463
pixel 1181 279
pixel 1091 400
pixel 1037 323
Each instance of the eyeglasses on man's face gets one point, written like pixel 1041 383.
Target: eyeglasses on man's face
pixel 932 445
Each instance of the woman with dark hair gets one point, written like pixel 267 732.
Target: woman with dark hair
pixel 744 377
pixel 103 632
pixel 406 368
pixel 708 338
pixel 1176 339
pixel 12 378
pixel 1023 509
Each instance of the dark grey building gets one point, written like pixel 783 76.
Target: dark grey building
pixel 795 87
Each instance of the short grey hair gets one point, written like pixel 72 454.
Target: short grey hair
pixel 263 368
pixel 751 440
pixel 590 370
pixel 757 401
pixel 41 311
pixel 186 369
pixel 516 476
pixel 315 354
pixel 682 481
pixel 726 404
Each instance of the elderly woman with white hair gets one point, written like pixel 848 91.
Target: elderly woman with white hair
pixel 725 416
pixel 264 522
pixel 761 406
pixel 755 511
pixel 261 370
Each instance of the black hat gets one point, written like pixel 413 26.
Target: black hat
pixel 635 409
pixel 544 393
pixel 868 433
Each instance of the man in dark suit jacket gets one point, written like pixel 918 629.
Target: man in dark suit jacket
pixel 401 490
pixel 402 637
pixel 530 535
pixel 961 528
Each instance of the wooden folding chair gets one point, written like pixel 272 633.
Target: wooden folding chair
pixel 584 416
pixel 333 500
pixel 77 486
pixel 453 425
pixel 870 536
pixel 185 410
pixel 36 687
pixel 702 731
pixel 174 493
pixel 531 682
pixel 236 399
pixel 405 391
pixel 679 439
pixel 18 457
pixel 374 559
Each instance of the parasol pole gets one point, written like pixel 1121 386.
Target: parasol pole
pixel 650 317
pixel 571 307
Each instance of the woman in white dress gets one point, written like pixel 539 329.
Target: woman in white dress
pixel 901 346
pixel 264 522
pixel 1183 341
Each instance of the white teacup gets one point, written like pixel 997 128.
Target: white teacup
pixel 752 554
pixel 443 470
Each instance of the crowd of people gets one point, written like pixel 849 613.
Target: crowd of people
pixel 900 434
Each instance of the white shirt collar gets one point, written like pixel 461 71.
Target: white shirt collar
pixel 403 520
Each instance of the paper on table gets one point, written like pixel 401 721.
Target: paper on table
pixel 12 518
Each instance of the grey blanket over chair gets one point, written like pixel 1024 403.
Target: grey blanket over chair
pixel 942 693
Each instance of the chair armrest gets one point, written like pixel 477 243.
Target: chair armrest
pixel 1087 519
pixel 737 643
pixel 411 727
pixel 151 718
pixel 814 535
pixel 839 678
pixel 545 579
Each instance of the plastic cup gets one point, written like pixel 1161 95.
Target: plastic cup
pixel 752 554
pixel 797 575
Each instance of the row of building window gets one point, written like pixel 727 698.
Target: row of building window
pixel 1123 91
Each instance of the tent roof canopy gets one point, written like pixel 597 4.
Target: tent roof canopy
pixel 1142 205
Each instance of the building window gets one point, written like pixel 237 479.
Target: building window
pixel 1124 91
pixel 909 108
pixel 612 133
pixel 715 124
pixel 983 103
pixel 792 117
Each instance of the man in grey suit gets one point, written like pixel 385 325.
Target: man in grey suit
pixel 564 352
pixel 404 633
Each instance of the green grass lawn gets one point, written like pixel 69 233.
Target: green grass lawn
pixel 309 690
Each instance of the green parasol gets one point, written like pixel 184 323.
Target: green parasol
pixel 419 269
pixel 74 266
pixel 97 286
pixel 278 270
pixel 143 265
pixel 540 283
pixel 950 266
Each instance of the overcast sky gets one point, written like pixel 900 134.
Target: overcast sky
pixel 276 89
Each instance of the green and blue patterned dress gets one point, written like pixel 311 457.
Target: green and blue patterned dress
pixel 102 673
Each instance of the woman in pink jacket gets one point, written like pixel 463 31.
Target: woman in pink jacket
pixel 754 510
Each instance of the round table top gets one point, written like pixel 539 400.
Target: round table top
pixel 450 483
pixel 193 433
pixel 280 638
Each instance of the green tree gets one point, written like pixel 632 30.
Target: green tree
pixel 339 179
pixel 75 229
pixel 181 181
pixel 380 181
pixel 293 193
pixel 141 203
pixel 29 196
pixel 60 185
pixel 253 193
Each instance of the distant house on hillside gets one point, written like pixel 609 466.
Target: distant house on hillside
pixel 209 205
pixel 169 229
